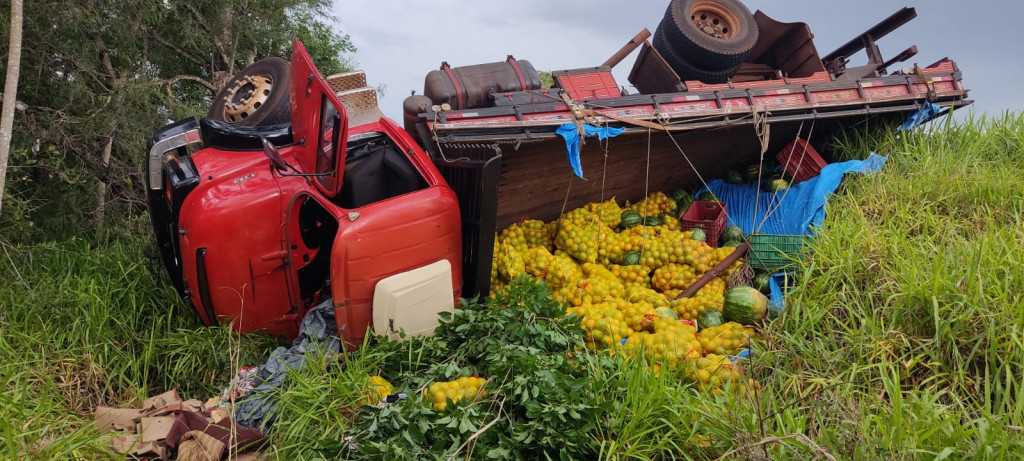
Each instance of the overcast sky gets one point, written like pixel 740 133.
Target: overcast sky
pixel 399 41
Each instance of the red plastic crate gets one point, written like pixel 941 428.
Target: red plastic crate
pixel 587 83
pixel 800 160
pixel 709 216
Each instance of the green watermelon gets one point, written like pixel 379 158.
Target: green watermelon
pixel 753 172
pixel 681 195
pixel 733 177
pixel 653 221
pixel 683 203
pixel 698 234
pixel 732 243
pixel 745 305
pixel 631 258
pixel 731 233
pixel 666 312
pixel 631 218
pixel 709 318
pixel 761 283
pixel 708 196
pixel 776 185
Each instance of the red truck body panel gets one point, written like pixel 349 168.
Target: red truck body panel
pixel 257 246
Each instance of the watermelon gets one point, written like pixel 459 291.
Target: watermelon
pixel 708 196
pixel 698 234
pixel 631 258
pixel 776 185
pixel 631 218
pixel 745 305
pixel 753 172
pixel 709 318
pixel 731 233
pixel 761 283
pixel 733 177
pixel 666 312
pixel 681 195
pixel 653 221
pixel 683 202
pixel 732 243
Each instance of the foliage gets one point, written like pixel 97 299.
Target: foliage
pixel 546 79
pixel 541 401
pixel 100 76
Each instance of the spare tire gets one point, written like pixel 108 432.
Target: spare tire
pixel 256 96
pixel 714 34
pixel 684 68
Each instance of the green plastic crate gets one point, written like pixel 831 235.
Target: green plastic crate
pixel 775 252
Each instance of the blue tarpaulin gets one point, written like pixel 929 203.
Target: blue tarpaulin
pixel 793 211
pixel 572 141
pixel 801 208
pixel 925 114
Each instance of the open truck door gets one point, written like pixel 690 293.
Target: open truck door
pixel 394 261
pixel 319 124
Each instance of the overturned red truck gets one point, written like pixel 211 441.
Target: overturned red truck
pixel 296 191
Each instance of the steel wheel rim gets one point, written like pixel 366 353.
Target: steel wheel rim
pixel 715 20
pixel 247 96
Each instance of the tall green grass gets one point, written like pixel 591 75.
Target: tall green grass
pixel 88 324
pixel 904 339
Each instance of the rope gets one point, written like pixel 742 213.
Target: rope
pixel 778 204
pixel 647 179
pixel 440 150
pixel 604 170
pixel 692 167
pixel 763 132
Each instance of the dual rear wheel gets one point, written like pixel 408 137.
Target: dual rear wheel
pixel 706 40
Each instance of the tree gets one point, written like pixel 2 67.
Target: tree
pixel 105 74
pixel 10 92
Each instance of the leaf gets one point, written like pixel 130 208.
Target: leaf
pixel 466 426
pixel 498 453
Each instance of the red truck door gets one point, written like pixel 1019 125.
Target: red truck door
pixel 319 124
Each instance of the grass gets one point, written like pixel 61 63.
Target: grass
pixel 903 340
pixel 86 325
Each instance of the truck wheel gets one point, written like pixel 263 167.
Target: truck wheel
pixel 716 34
pixel 684 68
pixel 258 95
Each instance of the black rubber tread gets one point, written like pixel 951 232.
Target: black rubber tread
pixel 685 69
pixel 696 46
pixel 276 109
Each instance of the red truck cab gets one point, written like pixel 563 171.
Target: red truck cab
pixel 257 224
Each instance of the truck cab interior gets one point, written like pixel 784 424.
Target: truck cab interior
pixel 376 169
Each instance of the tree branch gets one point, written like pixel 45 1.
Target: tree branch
pixel 176 50
pixel 107 66
pixel 200 20
pixel 193 78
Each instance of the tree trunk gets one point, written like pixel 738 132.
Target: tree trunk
pixel 10 92
pixel 101 185
pixel 117 84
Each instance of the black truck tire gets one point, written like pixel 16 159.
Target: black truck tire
pixel 256 96
pixel 712 34
pixel 685 69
